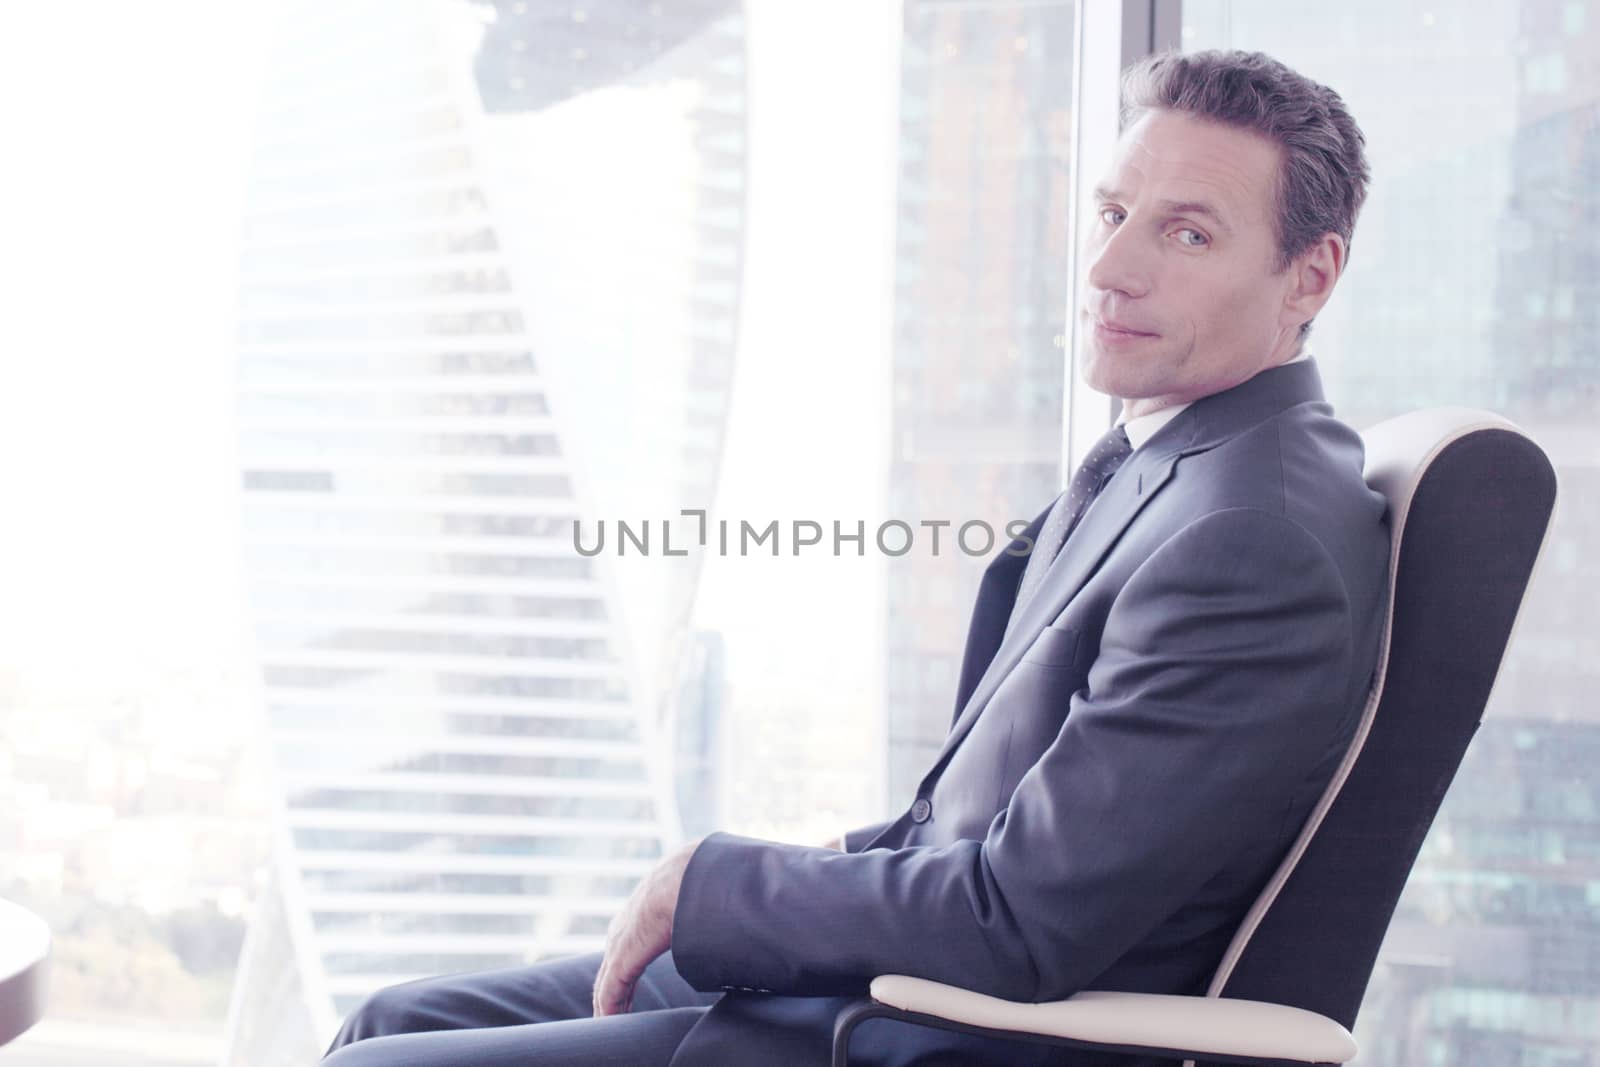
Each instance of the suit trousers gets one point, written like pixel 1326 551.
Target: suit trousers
pixel 523 1016
pixel 541 1016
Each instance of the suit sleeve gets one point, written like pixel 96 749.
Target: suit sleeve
pixel 1222 681
pixel 852 840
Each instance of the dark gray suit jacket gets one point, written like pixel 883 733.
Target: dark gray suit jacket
pixel 1122 774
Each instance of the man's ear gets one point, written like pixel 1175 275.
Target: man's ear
pixel 1316 271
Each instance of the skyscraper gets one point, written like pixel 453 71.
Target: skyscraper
pixel 463 711
pixel 979 322
pixel 1494 956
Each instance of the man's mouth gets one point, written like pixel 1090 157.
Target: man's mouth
pixel 1116 329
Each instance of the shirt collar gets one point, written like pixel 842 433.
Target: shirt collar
pixel 1141 429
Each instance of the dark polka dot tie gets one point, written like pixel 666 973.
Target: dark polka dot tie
pixel 1103 460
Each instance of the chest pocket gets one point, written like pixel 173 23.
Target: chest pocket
pixel 1055 647
pixel 1038 692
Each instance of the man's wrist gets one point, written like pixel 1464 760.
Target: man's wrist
pixel 671 872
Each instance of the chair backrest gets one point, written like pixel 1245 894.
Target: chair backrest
pixel 1470 502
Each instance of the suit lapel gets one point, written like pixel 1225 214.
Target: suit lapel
pixel 1133 487
pixel 997 592
pixel 1203 425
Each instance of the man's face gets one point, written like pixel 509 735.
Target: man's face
pixel 1198 285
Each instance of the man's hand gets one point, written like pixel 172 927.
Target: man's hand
pixel 639 933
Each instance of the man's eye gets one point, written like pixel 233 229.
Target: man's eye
pixel 1204 240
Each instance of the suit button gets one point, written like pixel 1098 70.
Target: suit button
pixel 921 810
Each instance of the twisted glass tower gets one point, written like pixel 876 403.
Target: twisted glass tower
pixel 464 713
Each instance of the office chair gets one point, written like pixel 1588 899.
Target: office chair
pixel 1470 502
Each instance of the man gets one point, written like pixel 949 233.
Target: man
pixel 1146 713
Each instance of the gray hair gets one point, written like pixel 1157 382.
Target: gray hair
pixel 1324 176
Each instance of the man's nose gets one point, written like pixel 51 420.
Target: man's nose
pixel 1118 264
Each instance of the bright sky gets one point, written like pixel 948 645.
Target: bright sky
pixel 808 436
pixel 129 129
pixel 127 135
pixel 120 218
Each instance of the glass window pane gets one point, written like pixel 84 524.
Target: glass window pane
pixel 387 303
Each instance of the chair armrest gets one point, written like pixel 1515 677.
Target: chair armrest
pixel 1197 1026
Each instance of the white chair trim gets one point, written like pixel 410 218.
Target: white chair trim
pixel 1202 1025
